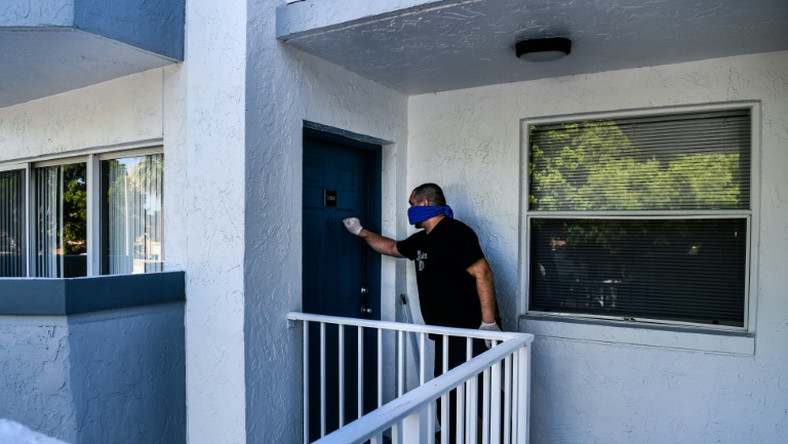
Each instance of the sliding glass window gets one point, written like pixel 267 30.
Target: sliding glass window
pixel 60 235
pixel 131 217
pixel 12 223
pixel 95 214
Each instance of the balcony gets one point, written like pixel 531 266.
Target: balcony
pixel 95 359
pixel 347 379
pixel 54 46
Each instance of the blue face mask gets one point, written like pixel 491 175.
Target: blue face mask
pixel 420 214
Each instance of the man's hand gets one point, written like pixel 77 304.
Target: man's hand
pixel 489 327
pixel 353 225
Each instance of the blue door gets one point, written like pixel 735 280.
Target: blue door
pixel 341 275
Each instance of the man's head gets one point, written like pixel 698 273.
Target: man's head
pixel 427 195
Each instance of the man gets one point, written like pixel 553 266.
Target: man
pixel 454 279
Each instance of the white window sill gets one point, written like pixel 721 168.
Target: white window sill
pixel 639 334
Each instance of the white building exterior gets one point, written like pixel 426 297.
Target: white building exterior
pixel 230 119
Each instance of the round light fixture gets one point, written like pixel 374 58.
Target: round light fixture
pixel 543 50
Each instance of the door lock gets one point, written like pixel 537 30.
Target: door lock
pixel 366 310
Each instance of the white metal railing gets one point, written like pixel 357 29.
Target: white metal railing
pixel 410 417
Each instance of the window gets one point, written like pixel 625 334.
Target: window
pixel 60 203
pixel 131 220
pixel 99 214
pixel 643 218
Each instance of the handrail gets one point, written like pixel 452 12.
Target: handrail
pixel 415 328
pixel 408 406
pixel 391 413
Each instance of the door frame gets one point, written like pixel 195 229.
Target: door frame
pixel 373 149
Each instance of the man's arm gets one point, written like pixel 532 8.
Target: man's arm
pixel 380 244
pixel 485 287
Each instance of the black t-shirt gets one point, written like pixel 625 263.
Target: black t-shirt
pixel 447 292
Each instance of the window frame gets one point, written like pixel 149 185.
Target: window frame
pixel 750 214
pixel 92 158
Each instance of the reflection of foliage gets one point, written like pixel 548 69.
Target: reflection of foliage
pixel 594 166
pixel 133 206
pixel 74 209
pixel 144 174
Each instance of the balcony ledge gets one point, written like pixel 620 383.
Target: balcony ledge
pixel 48 297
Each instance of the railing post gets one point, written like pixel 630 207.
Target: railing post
pixel 411 428
pixel 495 404
pixel 523 389
pixel 306 381
pixel 322 379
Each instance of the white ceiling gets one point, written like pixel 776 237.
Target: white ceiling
pixel 455 44
pixel 37 62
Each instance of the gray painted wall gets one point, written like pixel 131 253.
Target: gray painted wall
pixel 156 26
pixel 114 376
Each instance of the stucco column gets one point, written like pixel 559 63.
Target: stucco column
pixel 215 106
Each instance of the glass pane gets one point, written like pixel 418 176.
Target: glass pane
pixel 60 202
pixel 689 270
pixel 12 223
pixel 132 221
pixel 678 162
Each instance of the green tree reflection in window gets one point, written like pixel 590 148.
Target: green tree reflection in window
pixel 595 166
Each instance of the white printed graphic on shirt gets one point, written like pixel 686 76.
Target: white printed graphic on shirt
pixel 420 258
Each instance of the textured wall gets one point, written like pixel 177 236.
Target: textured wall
pixel 156 26
pixel 37 13
pixel 36 390
pixel 285 87
pixel 127 375
pixel 212 199
pixel 601 383
pixel 105 377
pixel 125 110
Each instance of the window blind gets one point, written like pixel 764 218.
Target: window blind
pixel 12 234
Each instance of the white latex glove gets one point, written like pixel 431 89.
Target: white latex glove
pixel 489 327
pixel 352 224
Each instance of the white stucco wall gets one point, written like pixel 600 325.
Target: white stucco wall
pixel 122 111
pixel 213 202
pixel 602 383
pixel 284 88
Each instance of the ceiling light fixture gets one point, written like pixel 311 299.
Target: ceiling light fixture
pixel 543 50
